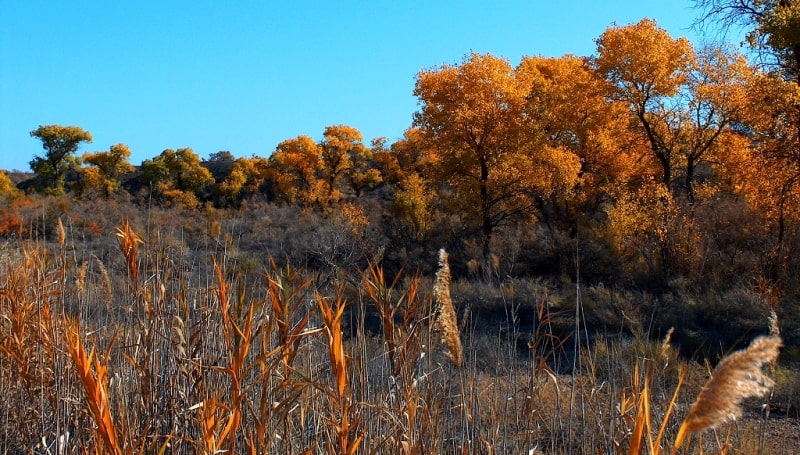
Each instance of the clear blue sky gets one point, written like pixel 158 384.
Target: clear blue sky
pixel 244 75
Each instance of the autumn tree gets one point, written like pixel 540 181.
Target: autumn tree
pixel 346 161
pixel 772 29
pixel 60 144
pixel 104 170
pixel 568 102
pixel 317 174
pixel 297 164
pixel 770 175
pixel 246 178
pixel 495 164
pixel 404 157
pixel 8 190
pixel 772 120
pixel 177 176
pixel 682 101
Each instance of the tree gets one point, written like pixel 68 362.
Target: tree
pixel 682 101
pixel 296 165
pixel 346 160
pixel 774 29
pixel 771 174
pixel 405 157
pixel 246 178
pixel 568 102
pixel 221 156
pixel 105 170
pixel 472 115
pixel 60 144
pixel 8 190
pixel 177 176
pixel 318 173
pixel 646 68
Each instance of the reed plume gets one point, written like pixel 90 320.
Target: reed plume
pixel 62 235
pixel 738 376
pixel 774 327
pixel 446 322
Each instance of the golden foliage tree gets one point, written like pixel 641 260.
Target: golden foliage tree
pixel 104 170
pixel 296 165
pixel 177 176
pixel 568 102
pixel 346 160
pixel 473 117
pixel 316 174
pixel 771 172
pixel 60 144
pixel 246 177
pixel 646 68
pixel 683 101
pixel 8 189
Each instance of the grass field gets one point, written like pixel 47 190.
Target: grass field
pixel 135 353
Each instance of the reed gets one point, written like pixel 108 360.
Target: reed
pixel 446 321
pixel 737 377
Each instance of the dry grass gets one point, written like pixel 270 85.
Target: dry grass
pixel 446 320
pixel 737 377
pixel 182 362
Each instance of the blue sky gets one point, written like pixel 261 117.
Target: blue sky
pixel 243 76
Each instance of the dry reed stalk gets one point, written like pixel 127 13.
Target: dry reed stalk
pixel 128 244
pixel 332 317
pixel 106 279
pixel 738 376
pixel 95 386
pixel 446 321
pixel 774 327
pixel 80 276
pixel 286 290
pixel 665 347
pixel 347 421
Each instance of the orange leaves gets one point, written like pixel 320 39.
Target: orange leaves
pixel 317 174
pixel 643 60
pixel 129 244
pixel 95 386
pixel 473 116
pixel 332 317
pixel 474 106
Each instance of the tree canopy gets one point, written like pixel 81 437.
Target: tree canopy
pixel 60 144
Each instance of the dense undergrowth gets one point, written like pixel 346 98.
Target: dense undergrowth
pixel 153 336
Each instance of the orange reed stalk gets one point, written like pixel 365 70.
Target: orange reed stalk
pixel 95 386
pixel 128 243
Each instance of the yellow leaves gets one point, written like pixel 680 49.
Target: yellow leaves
pixel 104 170
pixel 643 60
pixel 176 175
pixel 7 188
pixel 484 143
pixel 315 174
pixel 245 178
pixel 411 203
pixel 473 104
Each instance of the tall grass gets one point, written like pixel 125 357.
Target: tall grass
pixel 147 354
